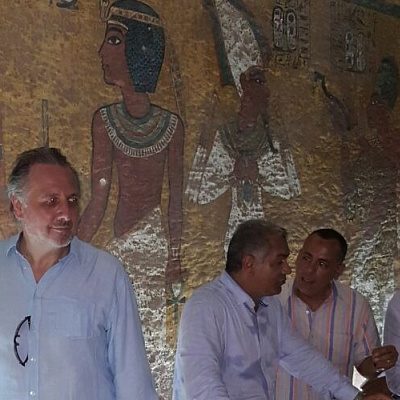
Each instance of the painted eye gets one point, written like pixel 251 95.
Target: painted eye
pixel 114 40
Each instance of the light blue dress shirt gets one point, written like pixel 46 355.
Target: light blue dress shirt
pixel 226 350
pixel 76 331
pixel 392 336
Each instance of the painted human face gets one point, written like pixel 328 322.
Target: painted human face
pixel 257 88
pixel 254 100
pixel 268 272
pixel 113 59
pixel 317 264
pixel 49 209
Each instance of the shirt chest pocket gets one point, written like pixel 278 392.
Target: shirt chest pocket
pixel 68 318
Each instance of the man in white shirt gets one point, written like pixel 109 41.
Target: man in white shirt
pixel 70 328
pixel 234 332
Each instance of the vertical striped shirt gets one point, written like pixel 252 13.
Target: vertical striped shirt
pixel 343 329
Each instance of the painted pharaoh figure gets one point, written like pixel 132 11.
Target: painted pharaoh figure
pixel 241 156
pixel 372 199
pixel 7 222
pixel 370 149
pixel 244 158
pixel 139 138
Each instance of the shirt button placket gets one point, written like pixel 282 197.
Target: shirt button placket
pixel 32 364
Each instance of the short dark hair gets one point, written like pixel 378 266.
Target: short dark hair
pixel 24 162
pixel 249 237
pixel 331 234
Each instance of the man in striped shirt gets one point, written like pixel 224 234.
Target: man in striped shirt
pixel 334 318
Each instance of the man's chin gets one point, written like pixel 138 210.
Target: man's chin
pixel 305 291
pixel 274 292
pixel 60 243
pixel 278 290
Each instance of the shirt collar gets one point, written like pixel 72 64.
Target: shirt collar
pixel 13 240
pixel 333 296
pixel 74 248
pixel 240 296
pixel 12 243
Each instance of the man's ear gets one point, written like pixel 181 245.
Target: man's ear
pixel 247 263
pixel 339 270
pixel 16 207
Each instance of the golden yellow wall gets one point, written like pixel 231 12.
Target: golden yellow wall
pixel 49 58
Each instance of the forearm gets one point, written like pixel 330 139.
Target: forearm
pixel 91 219
pixel 173 271
pixel 175 225
pixel 175 177
pixel 304 362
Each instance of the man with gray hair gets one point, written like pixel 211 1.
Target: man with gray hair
pixel 69 323
pixel 234 331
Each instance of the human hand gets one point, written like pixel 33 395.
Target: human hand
pixel 384 357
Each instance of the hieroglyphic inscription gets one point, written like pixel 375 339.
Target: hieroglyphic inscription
pixel 352 36
pixel 291 32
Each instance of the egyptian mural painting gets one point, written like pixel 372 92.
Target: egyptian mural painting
pixel 371 203
pixel 242 155
pixel 291 32
pixel 185 117
pixel 139 138
pixel 368 149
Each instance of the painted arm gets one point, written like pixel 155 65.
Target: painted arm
pixel 175 179
pixel 101 180
pixel 382 131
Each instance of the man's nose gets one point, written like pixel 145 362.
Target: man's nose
pixel 310 267
pixel 286 268
pixel 64 209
